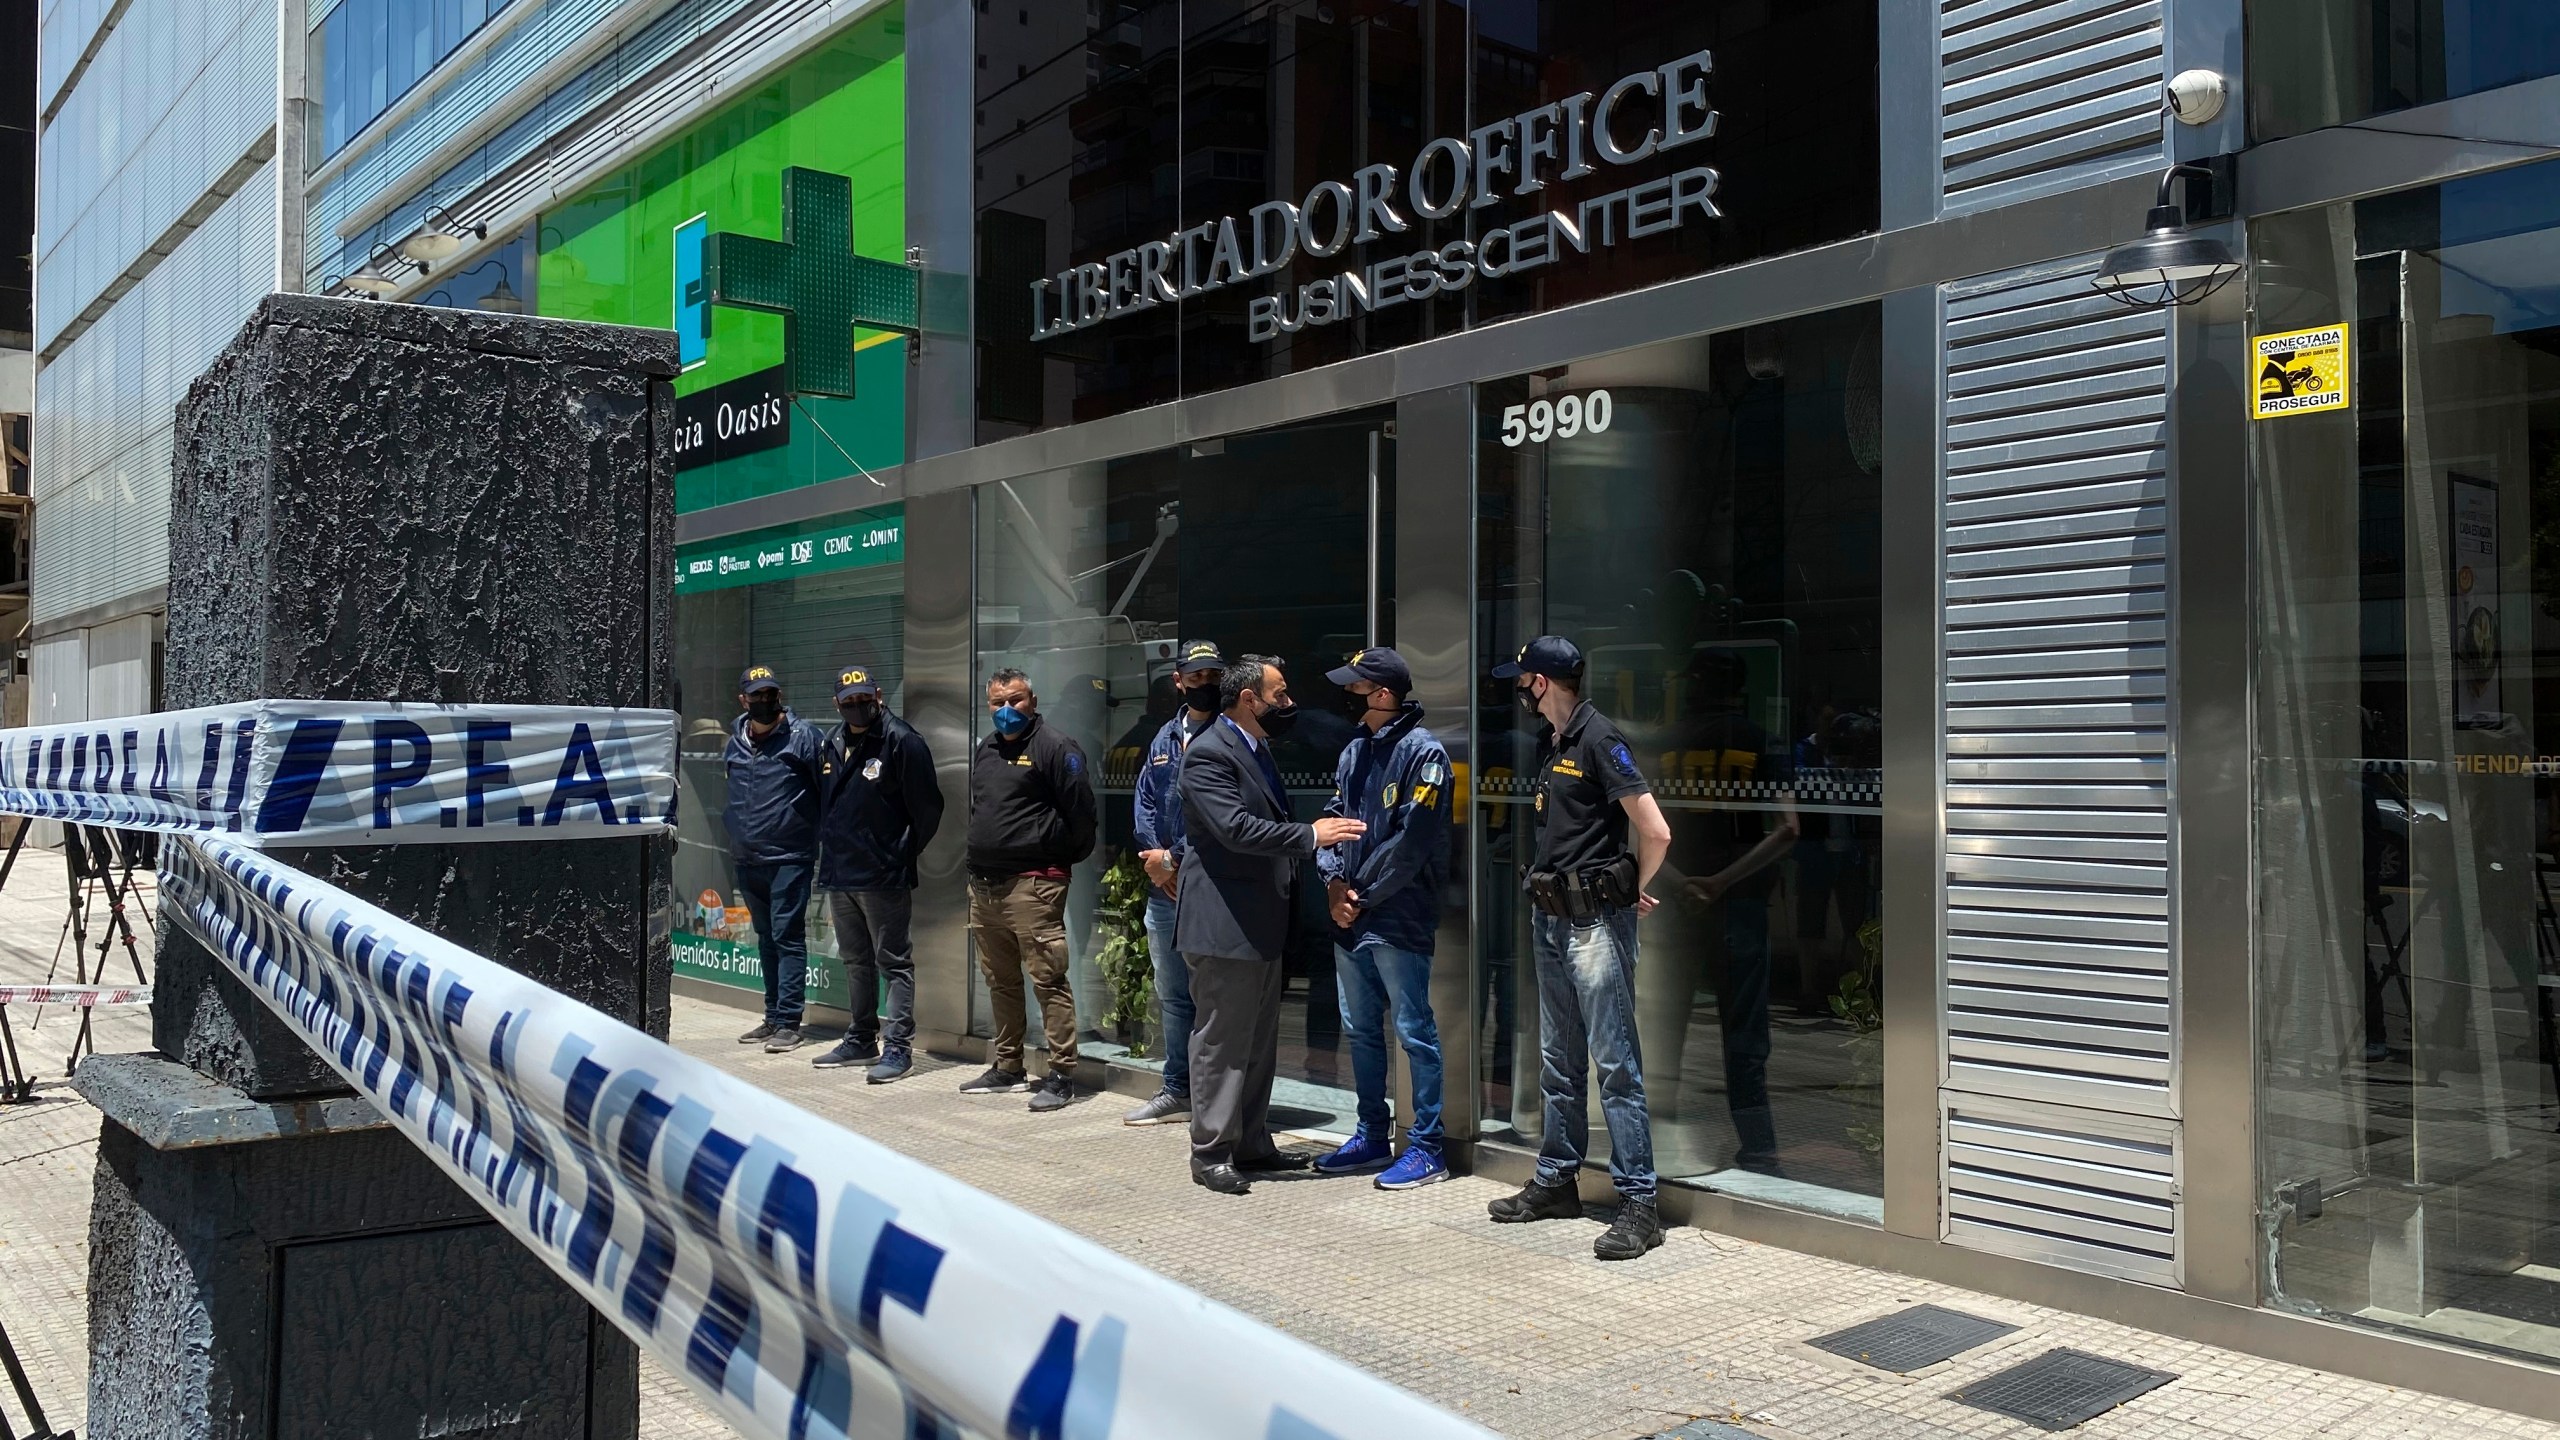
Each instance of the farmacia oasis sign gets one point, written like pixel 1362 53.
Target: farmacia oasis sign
pixel 1557 143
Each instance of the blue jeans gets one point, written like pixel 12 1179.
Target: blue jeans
pixel 1173 994
pixel 1587 1017
pixel 778 902
pixel 1370 976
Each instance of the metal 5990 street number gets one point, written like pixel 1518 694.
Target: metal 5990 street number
pixel 1561 419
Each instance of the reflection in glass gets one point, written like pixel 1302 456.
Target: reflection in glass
pixel 1087 580
pixel 2314 63
pixel 1702 518
pixel 2409 736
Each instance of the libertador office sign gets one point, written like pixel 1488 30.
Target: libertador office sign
pixel 1519 156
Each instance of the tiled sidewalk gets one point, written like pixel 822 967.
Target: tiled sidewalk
pixel 1515 1325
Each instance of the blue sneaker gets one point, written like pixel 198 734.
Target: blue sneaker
pixel 1414 1168
pixel 1363 1151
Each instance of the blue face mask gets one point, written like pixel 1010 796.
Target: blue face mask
pixel 1010 722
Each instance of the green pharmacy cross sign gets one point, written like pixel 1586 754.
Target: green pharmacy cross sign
pixel 814 280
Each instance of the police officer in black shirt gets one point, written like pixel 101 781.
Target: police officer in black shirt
pixel 1601 837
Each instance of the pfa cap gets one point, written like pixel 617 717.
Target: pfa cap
pixel 1551 655
pixel 854 680
pixel 757 677
pixel 1198 655
pixel 1377 664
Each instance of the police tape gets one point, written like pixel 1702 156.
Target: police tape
pixel 807 1281
pixel 87 997
pixel 299 772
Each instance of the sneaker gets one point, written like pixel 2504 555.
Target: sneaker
pixel 1052 1093
pixel 761 1032
pixel 1363 1151
pixel 1165 1108
pixel 1636 1230
pixel 998 1082
pixel 1537 1202
pixel 1415 1168
pixel 785 1039
pixel 894 1065
pixel 848 1051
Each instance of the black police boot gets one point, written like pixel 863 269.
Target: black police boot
pixel 1636 1230
pixel 1537 1202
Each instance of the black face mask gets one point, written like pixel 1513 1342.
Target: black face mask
pixel 1203 699
pixel 1280 719
pixel 764 709
pixel 860 714
pixel 1528 698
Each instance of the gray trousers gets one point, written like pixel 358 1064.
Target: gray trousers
pixel 871 939
pixel 1235 1052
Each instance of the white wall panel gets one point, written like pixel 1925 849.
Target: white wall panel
pixel 179 92
pixel 58 672
pixel 104 408
pixel 119 659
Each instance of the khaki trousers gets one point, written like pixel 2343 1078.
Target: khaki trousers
pixel 1019 923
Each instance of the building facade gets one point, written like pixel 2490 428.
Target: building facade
pixel 2140 704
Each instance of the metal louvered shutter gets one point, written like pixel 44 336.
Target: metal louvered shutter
pixel 2095 1193
pixel 2037 95
pixel 808 629
pixel 2059 970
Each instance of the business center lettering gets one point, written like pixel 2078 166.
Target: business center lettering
pixel 1519 156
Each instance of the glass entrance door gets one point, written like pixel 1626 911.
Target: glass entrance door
pixel 1278 543
pixel 2408 783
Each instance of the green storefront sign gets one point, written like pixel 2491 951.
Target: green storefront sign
pixel 786 552
pixel 790 199
pixel 735 963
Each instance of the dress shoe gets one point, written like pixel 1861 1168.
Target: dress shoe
pixel 1223 1179
pixel 1278 1162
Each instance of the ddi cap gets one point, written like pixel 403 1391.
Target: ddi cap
pixel 1378 665
pixel 1550 655
pixel 854 680
pixel 757 677
pixel 1199 655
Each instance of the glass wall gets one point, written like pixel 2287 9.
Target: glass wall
pixel 1103 129
pixel 1701 518
pixel 365 54
pixel 1088 578
pixel 2314 63
pixel 808 601
pixel 2408 780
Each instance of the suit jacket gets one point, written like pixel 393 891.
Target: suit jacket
pixel 1240 853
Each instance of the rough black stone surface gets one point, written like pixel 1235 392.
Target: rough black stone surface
pixel 329 1285
pixel 390 502
pixel 395 502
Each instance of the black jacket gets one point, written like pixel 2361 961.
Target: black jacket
pixel 1240 852
pixel 880 806
pixel 773 793
pixel 1030 803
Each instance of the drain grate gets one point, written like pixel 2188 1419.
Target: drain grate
pixel 2061 1388
pixel 1912 1339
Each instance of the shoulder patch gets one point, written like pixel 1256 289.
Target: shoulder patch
pixel 1621 760
pixel 1075 762
pixel 1432 773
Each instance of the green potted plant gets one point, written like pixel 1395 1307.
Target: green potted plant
pixel 1122 955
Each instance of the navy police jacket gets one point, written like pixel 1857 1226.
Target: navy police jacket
pixel 880 806
pixel 773 793
pixel 1158 806
pixel 1397 783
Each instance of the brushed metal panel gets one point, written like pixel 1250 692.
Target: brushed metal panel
pixel 2134 1185
pixel 2135 377
pixel 2140 345
pixel 2114 822
pixel 2062 638
pixel 2128 684
pixel 2097 659
pixel 2142 1213
pixel 2134 850
pixel 2041 481
pixel 2016 903
pixel 2102 329
pixel 2105 1008
pixel 2035 54
pixel 2000 975
pixel 2061 743
pixel 2074 419
pixel 2109 440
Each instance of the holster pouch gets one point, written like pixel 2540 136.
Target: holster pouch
pixel 1572 896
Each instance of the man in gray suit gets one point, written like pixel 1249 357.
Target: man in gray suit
pixel 1239 872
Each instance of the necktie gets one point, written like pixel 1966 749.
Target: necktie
pixel 1271 777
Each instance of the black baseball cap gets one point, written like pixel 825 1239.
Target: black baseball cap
pixel 1199 655
pixel 1550 655
pixel 757 677
pixel 855 680
pixel 1378 665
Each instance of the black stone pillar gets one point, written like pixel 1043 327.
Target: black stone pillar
pixel 386 502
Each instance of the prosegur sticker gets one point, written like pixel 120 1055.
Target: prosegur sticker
pixel 2301 371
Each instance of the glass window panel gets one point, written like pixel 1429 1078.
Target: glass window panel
pixel 1702 519
pixel 1087 580
pixel 2314 63
pixel 2409 740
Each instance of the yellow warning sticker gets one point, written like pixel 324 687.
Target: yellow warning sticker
pixel 2301 371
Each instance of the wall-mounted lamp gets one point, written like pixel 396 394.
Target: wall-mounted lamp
pixel 2167 266
pixel 502 298
pixel 438 237
pixel 371 279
